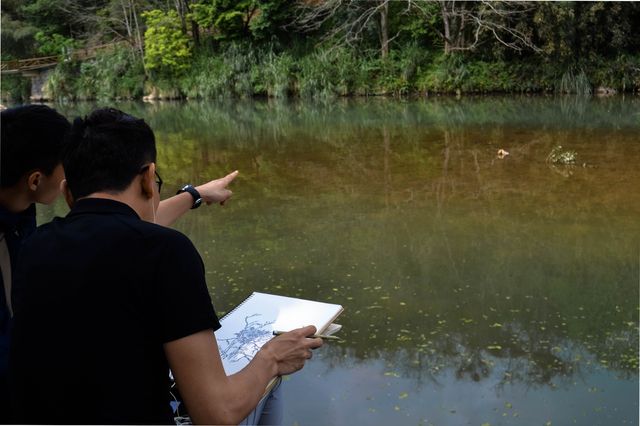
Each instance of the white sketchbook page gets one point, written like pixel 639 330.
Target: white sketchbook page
pixel 248 327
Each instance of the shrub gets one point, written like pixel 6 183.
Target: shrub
pixel 330 73
pixel 63 81
pixel 314 79
pixel 275 75
pixel 574 80
pixel 15 88
pixel 167 49
pixel 116 74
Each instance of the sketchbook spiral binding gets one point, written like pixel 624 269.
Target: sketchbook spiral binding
pixel 238 306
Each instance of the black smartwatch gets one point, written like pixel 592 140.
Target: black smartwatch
pixel 197 199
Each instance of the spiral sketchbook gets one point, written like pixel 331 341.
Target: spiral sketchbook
pixel 251 324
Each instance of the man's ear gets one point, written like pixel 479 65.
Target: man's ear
pixel 33 180
pixel 64 188
pixel 148 181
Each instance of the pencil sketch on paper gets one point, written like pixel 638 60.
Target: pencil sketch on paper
pixel 247 341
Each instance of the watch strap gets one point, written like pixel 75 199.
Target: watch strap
pixel 197 199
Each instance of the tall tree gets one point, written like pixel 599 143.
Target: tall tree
pixel 129 19
pixel 18 35
pixel 570 30
pixel 227 19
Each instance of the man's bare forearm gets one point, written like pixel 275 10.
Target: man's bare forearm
pixel 210 395
pixel 214 191
pixel 172 208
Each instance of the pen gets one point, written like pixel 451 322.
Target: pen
pixel 322 336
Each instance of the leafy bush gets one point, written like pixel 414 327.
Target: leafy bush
pixel 574 80
pixel 622 73
pixel 351 73
pixel 330 73
pixel 314 79
pixel 167 49
pixel 117 74
pixel 236 69
pixel 276 75
pixel 63 81
pixel 228 73
pixel 208 78
pixel 445 74
pixel 398 73
pixel 55 44
pixel 15 88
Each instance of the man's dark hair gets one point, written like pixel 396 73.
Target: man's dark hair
pixel 106 151
pixel 32 139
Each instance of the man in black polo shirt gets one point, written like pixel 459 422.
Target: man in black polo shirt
pixel 107 301
pixel 30 172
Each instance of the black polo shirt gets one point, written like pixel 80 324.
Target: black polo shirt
pixel 98 293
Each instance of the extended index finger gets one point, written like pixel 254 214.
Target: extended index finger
pixel 230 177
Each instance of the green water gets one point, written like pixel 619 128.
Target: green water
pixel 476 289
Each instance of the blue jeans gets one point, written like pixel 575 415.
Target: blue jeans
pixel 268 412
pixel 269 409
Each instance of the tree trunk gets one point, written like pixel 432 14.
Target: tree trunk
pixel 138 34
pixel 180 8
pixel 195 28
pixel 447 29
pixel 460 39
pixel 247 21
pixel 125 16
pixel 384 29
pixel 577 33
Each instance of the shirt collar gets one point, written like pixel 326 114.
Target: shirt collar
pixel 101 206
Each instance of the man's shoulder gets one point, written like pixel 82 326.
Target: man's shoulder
pixel 112 225
pixel 174 243
pixel 43 230
pixel 166 236
pixel 157 234
pixel 23 222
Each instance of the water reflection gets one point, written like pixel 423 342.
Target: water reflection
pixel 461 273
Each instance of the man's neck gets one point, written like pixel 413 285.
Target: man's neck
pixel 15 199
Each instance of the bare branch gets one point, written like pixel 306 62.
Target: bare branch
pixel 352 19
pixel 496 18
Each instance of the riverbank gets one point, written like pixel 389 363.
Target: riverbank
pixel 241 71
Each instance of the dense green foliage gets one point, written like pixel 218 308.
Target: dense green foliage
pixel 212 48
pixel 55 44
pixel 167 50
pixel 116 74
